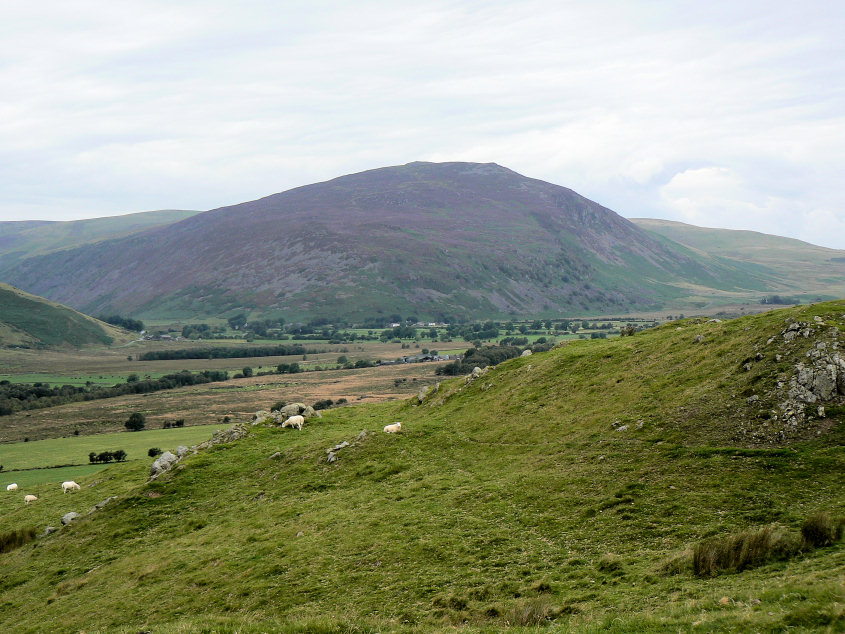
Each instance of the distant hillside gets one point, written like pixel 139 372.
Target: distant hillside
pixel 567 489
pixel 33 322
pixel 793 267
pixel 426 239
pixel 24 239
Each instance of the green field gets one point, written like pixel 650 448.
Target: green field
pixel 36 456
pixel 511 502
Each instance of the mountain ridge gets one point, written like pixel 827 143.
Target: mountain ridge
pixel 438 240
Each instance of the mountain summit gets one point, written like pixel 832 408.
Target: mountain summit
pixel 430 239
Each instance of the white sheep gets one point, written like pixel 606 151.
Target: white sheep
pixel 29 498
pixel 294 421
pixel 393 429
pixel 12 487
pixel 70 485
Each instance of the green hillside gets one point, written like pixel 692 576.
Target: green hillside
pixel 565 489
pixel 782 265
pixel 25 239
pixel 34 322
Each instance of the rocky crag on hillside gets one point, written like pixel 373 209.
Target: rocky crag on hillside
pixel 811 378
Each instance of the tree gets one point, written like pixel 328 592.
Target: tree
pixel 237 322
pixel 120 455
pixel 247 371
pixel 137 421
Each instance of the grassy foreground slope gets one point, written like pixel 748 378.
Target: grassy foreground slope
pixel 30 321
pixel 514 499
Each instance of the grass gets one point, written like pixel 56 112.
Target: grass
pixel 506 503
pixel 45 323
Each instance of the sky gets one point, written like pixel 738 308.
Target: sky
pixel 718 114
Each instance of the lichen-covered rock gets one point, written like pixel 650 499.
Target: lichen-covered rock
pixel 292 409
pixel 181 450
pixel 67 518
pixel 230 434
pixel 162 464
pixel 526 353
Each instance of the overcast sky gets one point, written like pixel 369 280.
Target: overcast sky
pixel 720 114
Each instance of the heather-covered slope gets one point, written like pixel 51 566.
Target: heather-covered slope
pixel 426 239
pixel 562 489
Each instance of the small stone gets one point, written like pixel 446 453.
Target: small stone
pixel 49 531
pixel 526 353
pixel 181 450
pixel 100 505
pixel 300 534
pixel 821 411
pixel 698 339
pixel 278 454
pixel 758 357
pixel 818 320
pixel 67 518
pixel 331 457
pixel 622 428
pixel 747 367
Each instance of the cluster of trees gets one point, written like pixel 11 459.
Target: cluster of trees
pixel 15 397
pixel 201 331
pixel 777 299
pixel 124 322
pixel 480 357
pixel 226 352
pixel 327 403
pixel 472 332
pixel 398 332
pixel 107 456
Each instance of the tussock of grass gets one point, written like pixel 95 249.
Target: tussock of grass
pixel 821 530
pixel 743 550
pixel 532 612
pixel 16 538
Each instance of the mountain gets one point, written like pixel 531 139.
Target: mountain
pixel 28 321
pixel 23 239
pixel 797 268
pixel 435 240
pixel 567 489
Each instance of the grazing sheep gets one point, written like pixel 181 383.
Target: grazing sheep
pixel 393 429
pixel 29 498
pixel 12 487
pixel 294 421
pixel 70 485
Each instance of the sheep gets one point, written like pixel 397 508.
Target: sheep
pixel 392 429
pixel 12 487
pixel 294 421
pixel 70 485
pixel 29 498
